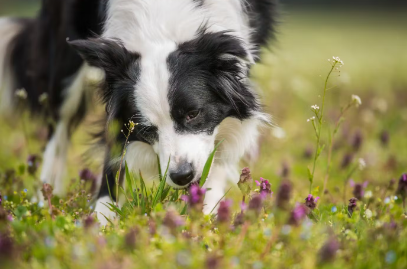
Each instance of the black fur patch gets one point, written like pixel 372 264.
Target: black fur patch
pixel 262 15
pixel 41 59
pixel 208 75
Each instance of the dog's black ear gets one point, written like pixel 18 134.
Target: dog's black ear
pixel 103 53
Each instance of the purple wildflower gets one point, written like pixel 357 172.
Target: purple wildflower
pixel 347 159
pixel 224 213
pixel 297 215
pixel 213 262
pixel 358 189
pixel 352 206
pixel 328 251
pixel 33 162
pixel 402 187
pixel 89 222
pixel 311 202
pixel 47 191
pixel 6 246
pixel 256 204
pixel 172 220
pixel 1 199
pixel 308 152
pixel 195 198
pixel 265 187
pixel 130 238
pixel 357 140
pixel 245 181
pixel 284 195
pixel 89 177
pixel 239 219
pixel 285 170
pixel 384 138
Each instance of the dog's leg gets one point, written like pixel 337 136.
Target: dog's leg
pixel 216 182
pixel 107 192
pixel 71 113
pixel 9 28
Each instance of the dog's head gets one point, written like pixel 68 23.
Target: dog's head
pixel 177 93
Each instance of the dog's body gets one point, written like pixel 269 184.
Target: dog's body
pixel 179 69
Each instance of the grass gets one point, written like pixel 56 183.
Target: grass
pixel 174 234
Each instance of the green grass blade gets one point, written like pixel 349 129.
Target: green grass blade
pixel 159 168
pixel 208 165
pixel 161 186
pixel 219 201
pixel 129 182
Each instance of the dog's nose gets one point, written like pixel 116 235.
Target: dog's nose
pixel 183 175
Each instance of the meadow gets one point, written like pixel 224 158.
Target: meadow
pixel 158 227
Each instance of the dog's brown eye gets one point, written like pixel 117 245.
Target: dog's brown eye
pixel 192 115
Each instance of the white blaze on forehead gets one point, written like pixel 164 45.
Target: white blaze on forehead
pixel 141 24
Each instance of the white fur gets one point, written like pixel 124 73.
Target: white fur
pixel 56 151
pixel 8 30
pixel 154 29
pixel 103 211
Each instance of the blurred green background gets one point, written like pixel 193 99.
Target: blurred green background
pixel 369 36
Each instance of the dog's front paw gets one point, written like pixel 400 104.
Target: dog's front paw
pixel 103 212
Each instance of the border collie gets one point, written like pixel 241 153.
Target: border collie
pixel 178 68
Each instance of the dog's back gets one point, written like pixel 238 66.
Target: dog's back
pixel 9 28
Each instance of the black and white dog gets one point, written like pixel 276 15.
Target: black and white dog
pixel 177 68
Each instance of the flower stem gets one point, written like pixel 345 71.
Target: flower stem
pixel 320 121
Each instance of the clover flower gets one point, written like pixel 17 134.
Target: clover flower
pixel 224 212
pixel 328 251
pixel 32 164
pixel 311 202
pixel 284 195
pixel 245 181
pixel 265 187
pixel 356 100
pixel 297 215
pixel 352 206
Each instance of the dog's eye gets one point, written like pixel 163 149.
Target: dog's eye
pixel 192 115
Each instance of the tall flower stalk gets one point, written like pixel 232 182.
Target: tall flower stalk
pixel 317 120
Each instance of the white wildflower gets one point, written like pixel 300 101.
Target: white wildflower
pixel 21 93
pixel 356 100
pixel 362 164
pixel 315 107
pixel 311 119
pixel 43 98
pixel 368 194
pixel 368 213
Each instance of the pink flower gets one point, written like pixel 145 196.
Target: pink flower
pixel 311 202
